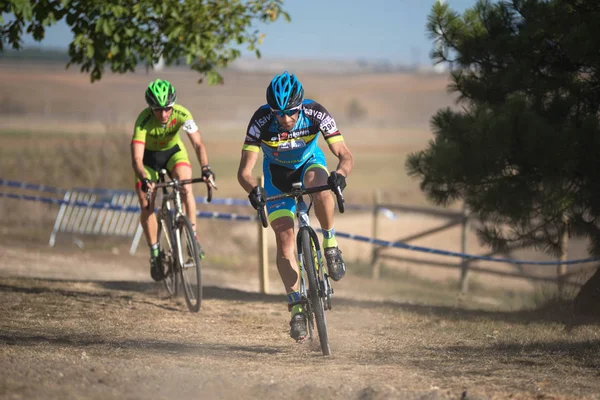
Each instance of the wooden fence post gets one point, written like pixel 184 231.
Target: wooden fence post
pixel 464 265
pixel 375 261
pixel 561 269
pixel 263 258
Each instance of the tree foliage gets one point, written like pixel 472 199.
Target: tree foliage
pixel 120 34
pixel 523 151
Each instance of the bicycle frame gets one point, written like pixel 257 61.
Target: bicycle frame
pixel 171 202
pixel 171 205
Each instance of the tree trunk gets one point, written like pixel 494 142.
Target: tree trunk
pixel 587 301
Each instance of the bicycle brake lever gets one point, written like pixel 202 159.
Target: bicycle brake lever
pixel 212 183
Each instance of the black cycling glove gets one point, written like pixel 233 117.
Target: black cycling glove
pixel 145 184
pixel 336 180
pixel 257 197
pixel 207 172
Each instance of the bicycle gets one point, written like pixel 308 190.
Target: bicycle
pixel 180 252
pixel 318 297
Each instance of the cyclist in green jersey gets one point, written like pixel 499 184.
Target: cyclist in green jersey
pixel 156 144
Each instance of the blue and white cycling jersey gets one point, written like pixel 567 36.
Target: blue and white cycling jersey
pixel 290 149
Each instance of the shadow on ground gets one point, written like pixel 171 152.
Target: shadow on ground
pixel 123 290
pixel 159 346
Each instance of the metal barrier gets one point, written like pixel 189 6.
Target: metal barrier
pixel 79 219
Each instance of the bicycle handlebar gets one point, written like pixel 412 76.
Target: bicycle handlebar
pixel 294 193
pixel 210 184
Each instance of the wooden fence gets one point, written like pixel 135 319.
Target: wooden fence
pixel 449 219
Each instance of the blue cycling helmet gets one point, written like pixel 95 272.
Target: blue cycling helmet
pixel 284 92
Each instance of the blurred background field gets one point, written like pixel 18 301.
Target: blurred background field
pixel 60 130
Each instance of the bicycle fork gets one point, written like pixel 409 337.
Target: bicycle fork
pixel 325 290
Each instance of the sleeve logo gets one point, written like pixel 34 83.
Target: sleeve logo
pixel 254 132
pixel 189 126
pixel 328 125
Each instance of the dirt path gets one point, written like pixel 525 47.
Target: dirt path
pixel 75 327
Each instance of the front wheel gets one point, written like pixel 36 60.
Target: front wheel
pixel 189 262
pixel 316 302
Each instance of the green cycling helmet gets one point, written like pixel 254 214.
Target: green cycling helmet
pixel 160 93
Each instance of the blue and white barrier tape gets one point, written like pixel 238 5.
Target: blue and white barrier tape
pixel 226 216
pixel 30 186
pixel 87 204
pixel 359 238
pixel 387 213
pixel 55 190
pixel 200 200
pixel 134 209
pixel 224 201
pixel 401 245
pixel 50 189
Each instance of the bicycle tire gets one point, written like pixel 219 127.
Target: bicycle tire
pixel 167 255
pixel 188 254
pixel 316 302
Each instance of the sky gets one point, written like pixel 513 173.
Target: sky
pixel 392 30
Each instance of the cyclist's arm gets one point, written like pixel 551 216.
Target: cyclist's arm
pixel 244 175
pixel 199 148
pixel 345 157
pixel 190 127
pixel 137 159
pixel 334 140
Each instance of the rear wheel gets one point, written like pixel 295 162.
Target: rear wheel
pixel 189 262
pixel 316 302
pixel 167 255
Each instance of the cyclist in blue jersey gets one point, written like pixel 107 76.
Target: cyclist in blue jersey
pixel 287 130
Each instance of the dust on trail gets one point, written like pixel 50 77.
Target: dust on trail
pixel 80 326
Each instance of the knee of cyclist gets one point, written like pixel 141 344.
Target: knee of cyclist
pixel 285 238
pixel 321 197
pixel 188 193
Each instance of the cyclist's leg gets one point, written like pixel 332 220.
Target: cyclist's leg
pixel 150 225
pixel 286 254
pixel 281 218
pixel 147 217
pixel 315 174
pixel 154 161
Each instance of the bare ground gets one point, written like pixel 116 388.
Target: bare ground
pixel 92 325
